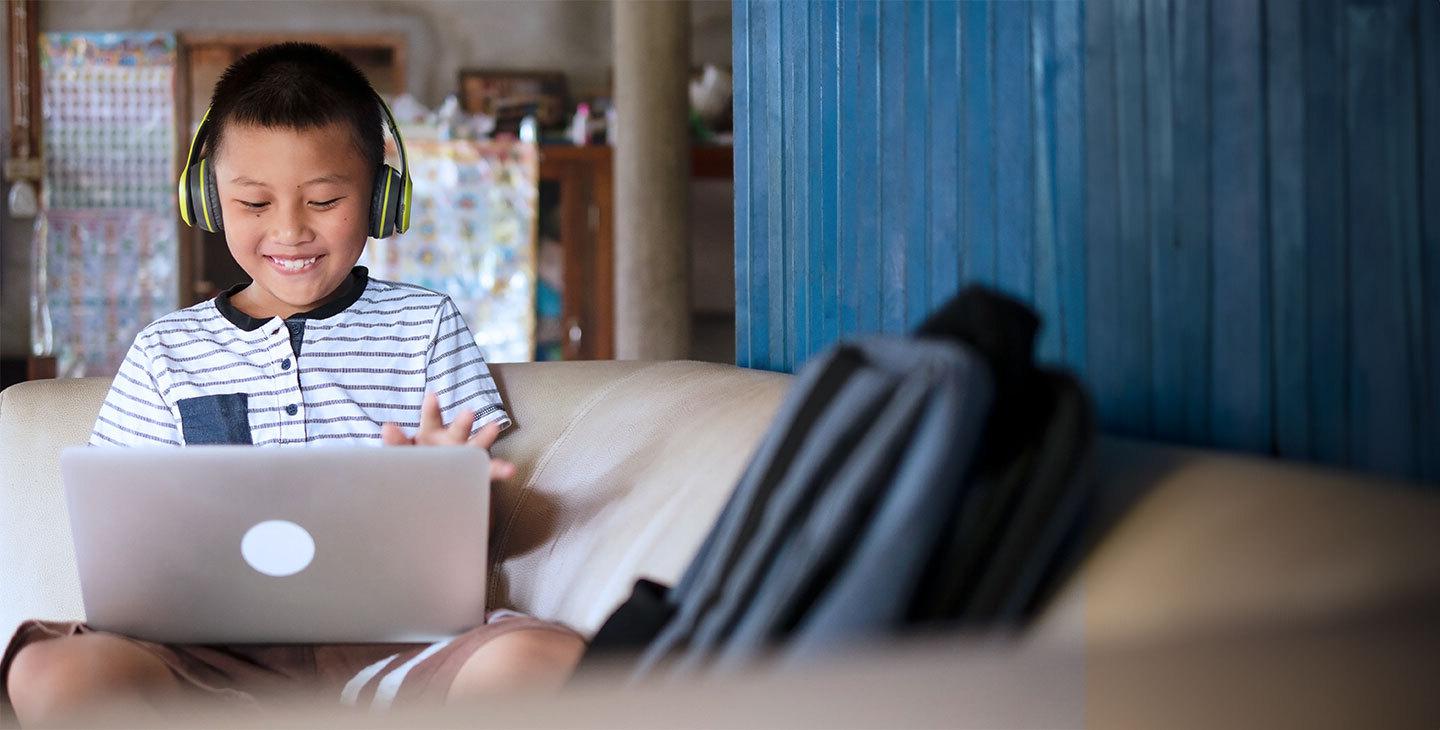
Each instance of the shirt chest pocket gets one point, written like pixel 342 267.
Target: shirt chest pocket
pixel 216 419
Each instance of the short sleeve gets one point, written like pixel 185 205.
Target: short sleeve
pixel 456 372
pixel 134 413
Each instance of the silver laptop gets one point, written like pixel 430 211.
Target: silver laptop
pixel 239 544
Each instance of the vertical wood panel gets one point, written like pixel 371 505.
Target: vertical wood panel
pixel 774 251
pixel 1380 134
pixel 1070 74
pixel 795 159
pixel 1103 328
pixel 978 199
pixel 943 247
pixel 824 176
pixel 916 293
pixel 1240 399
pixel 1044 133
pixel 1285 114
pixel 1167 343
pixel 1227 212
pixel 1014 164
pixel 1429 33
pixel 1133 254
pixel 1329 326
pixel 867 144
pixel 1188 265
pixel 895 166
pixel 744 105
pixel 848 162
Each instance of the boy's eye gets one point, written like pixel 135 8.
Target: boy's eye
pixel 252 206
pixel 326 204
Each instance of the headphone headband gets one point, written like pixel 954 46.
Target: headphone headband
pixel 402 222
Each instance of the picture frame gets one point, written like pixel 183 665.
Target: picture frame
pixel 510 95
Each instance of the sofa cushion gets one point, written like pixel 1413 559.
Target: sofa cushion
pixel 623 466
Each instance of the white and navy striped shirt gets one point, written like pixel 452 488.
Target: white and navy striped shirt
pixel 211 374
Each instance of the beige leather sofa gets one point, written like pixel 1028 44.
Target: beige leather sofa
pixel 623 466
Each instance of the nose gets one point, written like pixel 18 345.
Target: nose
pixel 292 226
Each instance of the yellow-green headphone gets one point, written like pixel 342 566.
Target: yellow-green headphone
pixel 389 203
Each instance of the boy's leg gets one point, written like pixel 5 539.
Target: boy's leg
pixel 65 679
pixel 524 659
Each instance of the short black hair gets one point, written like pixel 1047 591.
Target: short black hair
pixel 298 86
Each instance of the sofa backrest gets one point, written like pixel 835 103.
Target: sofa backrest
pixel 623 466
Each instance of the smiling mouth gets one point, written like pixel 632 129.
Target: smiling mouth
pixel 294 265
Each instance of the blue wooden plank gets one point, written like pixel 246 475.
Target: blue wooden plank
pixel 1046 62
pixel 796 50
pixel 820 183
pixel 867 145
pixel 916 280
pixel 833 122
pixel 1325 233
pixel 848 161
pixel 894 168
pixel 1133 263
pixel 1429 86
pixel 1189 262
pixel 1240 401
pixel 1285 112
pixel 761 322
pixel 1014 160
pixel 1167 350
pixel 778 246
pixel 1380 133
pixel 977 67
pixel 1103 326
pixel 944 168
pixel 1070 72
pixel 742 107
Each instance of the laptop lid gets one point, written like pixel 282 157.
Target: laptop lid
pixel 237 544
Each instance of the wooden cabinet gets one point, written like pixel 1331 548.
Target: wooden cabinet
pixel 579 183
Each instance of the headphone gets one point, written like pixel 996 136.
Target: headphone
pixel 389 202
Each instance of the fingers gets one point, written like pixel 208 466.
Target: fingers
pixel 500 470
pixel 459 431
pixel 392 435
pixel 430 420
pixel 487 435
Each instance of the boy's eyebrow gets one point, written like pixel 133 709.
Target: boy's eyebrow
pixel 331 178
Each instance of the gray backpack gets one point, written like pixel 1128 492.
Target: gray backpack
pixel 932 480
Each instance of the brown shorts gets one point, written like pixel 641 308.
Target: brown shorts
pixel 373 676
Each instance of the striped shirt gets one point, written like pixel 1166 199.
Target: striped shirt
pixel 211 374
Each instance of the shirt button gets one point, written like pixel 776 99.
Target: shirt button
pixel 285 364
pixel 291 409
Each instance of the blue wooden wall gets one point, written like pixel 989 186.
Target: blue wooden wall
pixel 1227 211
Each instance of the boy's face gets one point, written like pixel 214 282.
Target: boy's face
pixel 296 206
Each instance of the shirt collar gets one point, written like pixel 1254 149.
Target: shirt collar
pixel 359 277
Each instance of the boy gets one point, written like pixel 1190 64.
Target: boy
pixel 311 351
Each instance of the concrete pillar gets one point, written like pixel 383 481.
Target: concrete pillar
pixel 652 177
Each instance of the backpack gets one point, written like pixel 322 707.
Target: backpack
pixel 935 480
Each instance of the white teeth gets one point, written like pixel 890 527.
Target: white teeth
pixel 295 264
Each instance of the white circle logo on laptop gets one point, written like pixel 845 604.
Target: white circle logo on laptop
pixel 278 548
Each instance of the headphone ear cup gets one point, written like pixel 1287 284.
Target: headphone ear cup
pixel 202 198
pixel 385 202
pixel 212 198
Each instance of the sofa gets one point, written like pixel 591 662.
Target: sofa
pixel 623 465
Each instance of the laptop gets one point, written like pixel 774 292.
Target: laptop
pixel 246 545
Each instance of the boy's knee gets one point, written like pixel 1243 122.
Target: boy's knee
pixel 525 659
pixel 58 678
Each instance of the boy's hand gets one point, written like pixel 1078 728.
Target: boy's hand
pixel 434 432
